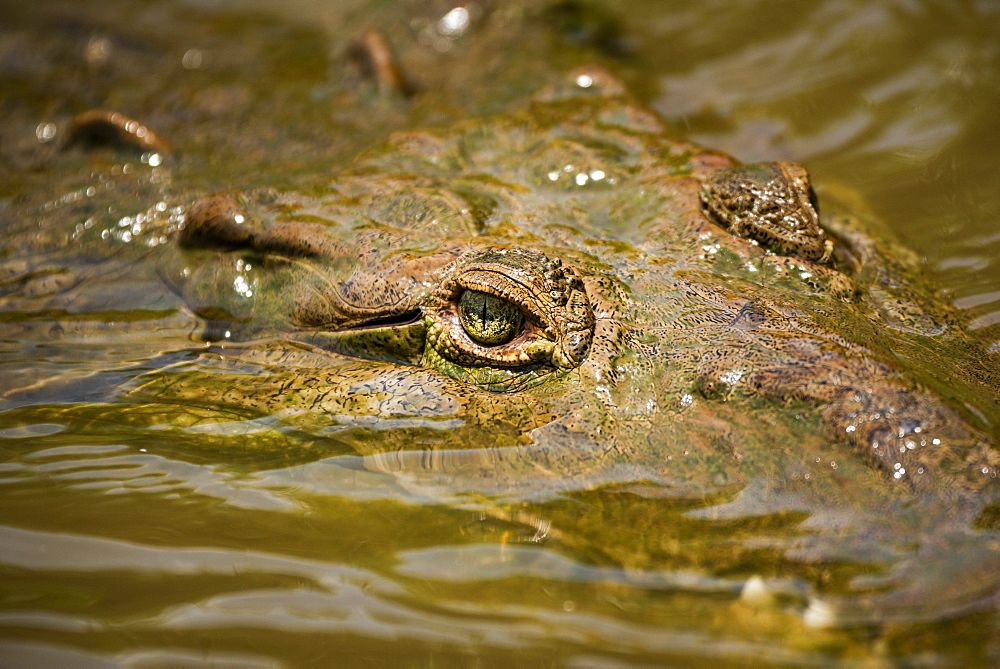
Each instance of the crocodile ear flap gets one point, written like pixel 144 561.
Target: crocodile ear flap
pixel 216 222
pixel 587 82
pixel 238 223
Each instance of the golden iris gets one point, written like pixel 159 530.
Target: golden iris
pixel 488 319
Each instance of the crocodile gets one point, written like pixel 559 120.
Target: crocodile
pixel 567 291
pixel 561 301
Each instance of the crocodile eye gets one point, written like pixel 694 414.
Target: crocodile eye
pixel 505 319
pixel 488 319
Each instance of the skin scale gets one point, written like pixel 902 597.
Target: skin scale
pixel 772 203
pixel 673 302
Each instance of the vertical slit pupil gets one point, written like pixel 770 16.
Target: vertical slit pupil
pixel 488 319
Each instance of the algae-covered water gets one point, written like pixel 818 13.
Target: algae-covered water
pixel 136 532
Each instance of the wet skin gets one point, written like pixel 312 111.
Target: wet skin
pixel 571 279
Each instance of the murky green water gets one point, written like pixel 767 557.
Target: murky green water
pixel 179 534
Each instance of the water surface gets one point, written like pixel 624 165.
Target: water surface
pixel 157 534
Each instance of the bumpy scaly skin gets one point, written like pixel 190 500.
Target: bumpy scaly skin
pixel 771 203
pixel 660 284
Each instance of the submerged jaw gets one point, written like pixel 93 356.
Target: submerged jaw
pixel 400 340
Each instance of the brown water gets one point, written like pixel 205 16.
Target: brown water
pixel 155 535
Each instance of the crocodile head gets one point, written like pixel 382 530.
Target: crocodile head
pixel 566 290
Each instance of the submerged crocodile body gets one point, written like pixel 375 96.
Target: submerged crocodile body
pixel 570 280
